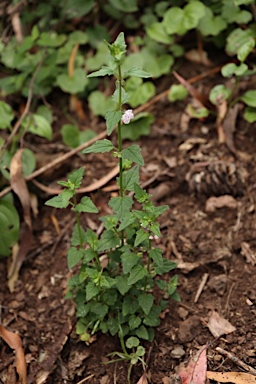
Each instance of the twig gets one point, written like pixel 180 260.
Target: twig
pixel 201 287
pixel 86 379
pixel 237 361
pixel 26 109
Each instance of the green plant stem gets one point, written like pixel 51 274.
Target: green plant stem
pixel 78 223
pixel 148 264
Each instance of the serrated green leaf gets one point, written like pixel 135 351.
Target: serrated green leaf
pixel 146 301
pixel 102 72
pixel 92 239
pixel 140 237
pixel 39 126
pixel 140 194
pixel 91 291
pixel 121 205
pixel 152 319
pixel 74 257
pixel 130 177
pixel 172 285
pixel 99 309
pixel 86 205
pixel 122 285
pixel 6 114
pixel 137 72
pixel 157 256
pixel 128 220
pixel 134 322
pixel 133 153
pixel 129 306
pixel 137 273
pixel 75 240
pixel 168 265
pixel 142 332
pixel 129 260
pixel 76 177
pixel 155 229
pixel 124 96
pixel 112 119
pixel 108 240
pixel 113 326
pixel 100 146
pixel 60 201
pixel 89 254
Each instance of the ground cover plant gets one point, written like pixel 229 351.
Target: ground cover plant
pixel 193 119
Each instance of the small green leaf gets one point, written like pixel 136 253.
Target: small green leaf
pixel 134 322
pixel 152 319
pixel 129 306
pixel 76 177
pixel 60 201
pixel 172 285
pixel 74 256
pixel 102 72
pixel 39 126
pixel 245 49
pixel 250 114
pixel 168 265
pixel 137 273
pixel 139 126
pixel 99 309
pixel 9 224
pixel 122 285
pixel 72 84
pixel 129 260
pixel 112 119
pixel 157 256
pixel 91 291
pixel 142 332
pixel 146 300
pixel 108 240
pixel 140 194
pixel 177 92
pixel 158 33
pixel 137 72
pixel 6 114
pixel 51 39
pixel 113 326
pixel 249 98
pixel 219 93
pixel 28 162
pixel 124 96
pixel 130 177
pixel 101 146
pixel 140 237
pixel 140 351
pixel 86 205
pixel 100 104
pixel 92 239
pixel 75 240
pixel 133 153
pixel 132 342
pixel 121 205
pixel 127 221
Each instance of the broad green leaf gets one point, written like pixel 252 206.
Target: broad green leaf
pixel 142 332
pixel 211 24
pixel 140 237
pixel 78 37
pixel 28 162
pixel 100 146
pixel 75 240
pixel 129 305
pixel 124 96
pixel 139 126
pixel 108 240
pixel 237 38
pixel 39 126
pixel 158 33
pixel 245 49
pixel 76 8
pixel 60 201
pixel 250 114
pixel 112 119
pixel 86 205
pixel 122 285
pixel 76 177
pixel 155 229
pixel 92 239
pixel 168 265
pixel 129 178
pixel 74 257
pixel 140 351
pixel 113 326
pixel 140 194
pixel 99 309
pixel 72 137
pixel 146 301
pixel 137 72
pixel 249 98
pixel 102 72
pixel 9 224
pixel 142 94
pixel 72 84
pixel 134 322
pixel 82 311
pixel 152 319
pixel 89 254
pixel 100 104
pixel 129 260
pixel 127 221
pixel 219 93
pixel 51 39
pixel 91 291
pixel 110 221
pixel 125 5
pixel 133 153
pixel 177 92
pixel 137 273
pixel 6 114
pixel 121 205
pixel 157 256
pixel 233 14
pixel 173 21
pixel 231 69
pixel 45 112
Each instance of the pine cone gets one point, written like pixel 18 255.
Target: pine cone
pixel 216 179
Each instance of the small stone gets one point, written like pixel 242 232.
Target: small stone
pixel 177 352
pixel 218 284
pixel 183 313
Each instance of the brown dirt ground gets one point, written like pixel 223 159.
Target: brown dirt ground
pixel 221 244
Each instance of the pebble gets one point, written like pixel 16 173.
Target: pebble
pixel 183 313
pixel 189 329
pixel 218 284
pixel 177 352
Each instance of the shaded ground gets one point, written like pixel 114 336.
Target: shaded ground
pixel 221 244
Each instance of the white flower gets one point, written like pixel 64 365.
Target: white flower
pixel 127 116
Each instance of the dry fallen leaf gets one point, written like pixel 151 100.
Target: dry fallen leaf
pixel 197 56
pixel 232 377
pixel 143 379
pixel 195 372
pixel 14 342
pixel 219 326
pixel 214 203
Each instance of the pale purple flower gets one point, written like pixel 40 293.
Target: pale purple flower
pixel 127 116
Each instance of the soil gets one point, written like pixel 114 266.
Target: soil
pixel 215 244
